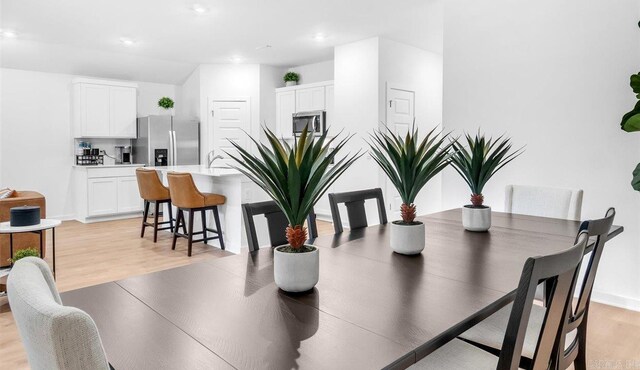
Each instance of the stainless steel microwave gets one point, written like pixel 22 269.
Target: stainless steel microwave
pixel 315 120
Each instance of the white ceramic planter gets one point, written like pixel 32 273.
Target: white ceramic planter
pixel 290 83
pixel 407 239
pixel 296 272
pixel 476 219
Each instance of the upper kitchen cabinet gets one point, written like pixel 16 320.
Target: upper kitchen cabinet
pixel 104 109
pixel 301 98
pixel 309 99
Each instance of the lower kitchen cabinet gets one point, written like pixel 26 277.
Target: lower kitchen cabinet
pixel 104 193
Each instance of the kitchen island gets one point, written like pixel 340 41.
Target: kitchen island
pixel 236 187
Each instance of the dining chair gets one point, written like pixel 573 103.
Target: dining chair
pixel 54 336
pixel 276 223
pixel 561 268
pixel 354 201
pixel 543 202
pixel 488 334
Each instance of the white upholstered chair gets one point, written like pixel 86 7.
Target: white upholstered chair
pixel 544 202
pixel 54 336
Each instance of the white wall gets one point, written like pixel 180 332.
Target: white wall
pixel 37 145
pixel 315 72
pixel 554 76
pixel 190 96
pixel 270 79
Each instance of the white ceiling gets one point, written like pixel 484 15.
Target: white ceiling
pixel 83 37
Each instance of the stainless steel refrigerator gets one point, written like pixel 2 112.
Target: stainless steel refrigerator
pixel 167 141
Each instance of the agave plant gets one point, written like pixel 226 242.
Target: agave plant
pixel 294 176
pixel 480 161
pixel 410 163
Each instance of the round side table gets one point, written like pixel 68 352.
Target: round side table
pixel 45 224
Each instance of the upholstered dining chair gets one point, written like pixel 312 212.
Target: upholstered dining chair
pixel 354 201
pixel 543 201
pixel 490 332
pixel 561 268
pixel 55 336
pixel 276 223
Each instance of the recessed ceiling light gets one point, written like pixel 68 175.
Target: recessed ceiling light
pixel 236 59
pixel 200 9
pixel 9 34
pixel 319 37
pixel 127 41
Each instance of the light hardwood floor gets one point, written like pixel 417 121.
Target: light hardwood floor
pixel 90 254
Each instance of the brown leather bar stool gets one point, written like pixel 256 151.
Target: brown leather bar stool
pixel 187 198
pixel 153 191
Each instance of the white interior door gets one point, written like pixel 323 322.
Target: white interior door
pixel 231 119
pixel 400 116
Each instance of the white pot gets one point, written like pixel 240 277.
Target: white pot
pixel 407 239
pixel 476 219
pixel 296 272
pixel 290 83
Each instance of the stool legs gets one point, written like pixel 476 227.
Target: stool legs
pixel 216 217
pixel 155 222
pixel 190 234
pixel 179 219
pixel 145 214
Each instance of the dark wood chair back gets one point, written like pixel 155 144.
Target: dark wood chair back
pixel 576 317
pixel 276 223
pixel 354 201
pixel 561 269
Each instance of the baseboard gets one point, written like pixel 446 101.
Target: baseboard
pixel 90 220
pixel 628 303
pixel 63 217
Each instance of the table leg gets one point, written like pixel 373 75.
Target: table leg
pixel 53 239
pixel 11 248
pixel 41 245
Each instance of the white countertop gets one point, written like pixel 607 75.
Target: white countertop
pixel 219 171
pixel 110 165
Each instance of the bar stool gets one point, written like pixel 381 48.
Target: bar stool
pixel 153 191
pixel 187 198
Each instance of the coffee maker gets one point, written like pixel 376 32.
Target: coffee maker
pixel 123 154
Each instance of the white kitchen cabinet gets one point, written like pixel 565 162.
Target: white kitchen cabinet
pixel 310 99
pixel 102 196
pixel 95 110
pixel 329 104
pixel 104 109
pixel 128 195
pixel 285 108
pixel 122 108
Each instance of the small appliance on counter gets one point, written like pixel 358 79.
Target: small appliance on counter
pixel 123 154
pixel 24 216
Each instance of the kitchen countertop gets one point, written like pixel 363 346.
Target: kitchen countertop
pixel 216 171
pixel 111 165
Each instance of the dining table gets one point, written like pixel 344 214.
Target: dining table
pixel 372 308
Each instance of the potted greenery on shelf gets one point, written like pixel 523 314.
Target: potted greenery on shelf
pixel 477 164
pixel 22 253
pixel 291 79
pixel 410 164
pixel 166 103
pixel 295 177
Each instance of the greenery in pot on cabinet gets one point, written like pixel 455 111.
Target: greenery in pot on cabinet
pixel 166 103
pixel 409 163
pixel 295 177
pixel 291 78
pixel 477 163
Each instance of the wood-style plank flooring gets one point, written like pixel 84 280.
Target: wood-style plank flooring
pixel 90 254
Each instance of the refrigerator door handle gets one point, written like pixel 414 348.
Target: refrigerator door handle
pixel 170 159
pixel 175 149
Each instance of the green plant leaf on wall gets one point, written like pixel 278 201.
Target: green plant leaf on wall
pixel 635 84
pixel 631 121
pixel 635 182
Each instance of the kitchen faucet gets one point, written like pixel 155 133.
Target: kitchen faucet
pixel 211 157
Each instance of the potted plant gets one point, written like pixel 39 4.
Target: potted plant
pixel 631 123
pixel 477 164
pixel 295 177
pixel 409 163
pixel 166 103
pixel 291 79
pixel 22 253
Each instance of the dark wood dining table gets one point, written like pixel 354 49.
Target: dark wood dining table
pixel 372 308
